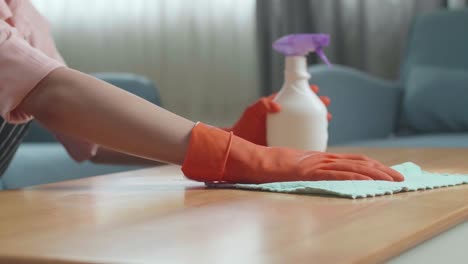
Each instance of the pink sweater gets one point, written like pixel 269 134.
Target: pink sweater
pixel 27 55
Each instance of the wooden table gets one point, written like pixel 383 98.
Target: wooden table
pixel 156 216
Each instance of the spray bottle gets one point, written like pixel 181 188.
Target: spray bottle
pixel 302 122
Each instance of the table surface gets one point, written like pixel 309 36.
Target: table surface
pixel 155 215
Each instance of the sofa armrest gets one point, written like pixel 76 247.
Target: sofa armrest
pixel 363 107
pixel 132 83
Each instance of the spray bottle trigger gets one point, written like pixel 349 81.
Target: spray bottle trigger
pixel 322 56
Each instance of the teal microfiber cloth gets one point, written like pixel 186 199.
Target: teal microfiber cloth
pixel 415 179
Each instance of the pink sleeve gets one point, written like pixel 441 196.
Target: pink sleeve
pixel 22 67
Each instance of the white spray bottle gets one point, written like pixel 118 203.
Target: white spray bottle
pixel 302 122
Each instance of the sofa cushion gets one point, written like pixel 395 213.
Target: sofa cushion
pixel 437 39
pixel 363 106
pixel 38 163
pixel 429 141
pixel 436 100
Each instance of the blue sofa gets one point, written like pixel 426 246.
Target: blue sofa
pixel 427 107
pixel 41 159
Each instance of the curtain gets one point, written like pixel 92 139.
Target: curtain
pixel 365 34
pixel 201 54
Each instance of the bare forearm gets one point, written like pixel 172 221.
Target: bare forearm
pixel 108 156
pixel 74 103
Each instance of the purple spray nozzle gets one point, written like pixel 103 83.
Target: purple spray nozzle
pixel 302 44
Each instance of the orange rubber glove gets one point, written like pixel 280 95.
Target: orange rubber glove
pixel 252 124
pixel 215 155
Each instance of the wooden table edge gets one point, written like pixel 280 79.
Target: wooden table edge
pixel 447 222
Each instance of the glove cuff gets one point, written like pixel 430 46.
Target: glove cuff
pixel 207 153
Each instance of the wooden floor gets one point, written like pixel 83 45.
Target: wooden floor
pixel 156 216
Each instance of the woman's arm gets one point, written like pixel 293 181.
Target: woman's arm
pixel 71 102
pixel 74 103
pixel 108 156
